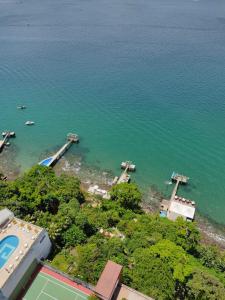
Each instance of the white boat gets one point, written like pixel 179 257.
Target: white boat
pixel 29 123
pixel 21 107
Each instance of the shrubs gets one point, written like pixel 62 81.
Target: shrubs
pixel 161 258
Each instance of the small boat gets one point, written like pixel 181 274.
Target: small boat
pixel 21 107
pixel 29 123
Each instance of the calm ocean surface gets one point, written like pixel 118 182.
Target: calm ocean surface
pixel 137 79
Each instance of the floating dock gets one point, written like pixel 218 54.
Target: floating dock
pixel 52 160
pixel 178 177
pixel 6 135
pixel 128 165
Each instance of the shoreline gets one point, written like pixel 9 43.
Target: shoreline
pixel 211 231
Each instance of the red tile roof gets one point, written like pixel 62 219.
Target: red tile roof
pixel 108 280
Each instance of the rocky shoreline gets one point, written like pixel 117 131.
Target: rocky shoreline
pixel 211 233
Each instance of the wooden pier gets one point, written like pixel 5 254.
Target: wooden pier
pixel 52 160
pixel 175 177
pixel 6 135
pixel 124 177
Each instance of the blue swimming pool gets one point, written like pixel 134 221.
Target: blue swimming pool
pixel 7 247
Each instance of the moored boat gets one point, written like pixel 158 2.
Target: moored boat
pixel 29 123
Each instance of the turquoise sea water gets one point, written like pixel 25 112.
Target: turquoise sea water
pixel 140 80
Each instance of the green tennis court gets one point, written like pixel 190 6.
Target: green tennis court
pixel 46 287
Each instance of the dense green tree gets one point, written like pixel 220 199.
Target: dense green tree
pixel 152 276
pixel 203 286
pixel 127 195
pixel 73 236
pixel 211 257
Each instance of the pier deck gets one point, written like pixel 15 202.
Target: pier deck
pixel 4 141
pixel 50 161
pixel 178 177
pixel 124 177
pixel 175 190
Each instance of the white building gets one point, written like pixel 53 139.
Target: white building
pixel 181 207
pixel 22 246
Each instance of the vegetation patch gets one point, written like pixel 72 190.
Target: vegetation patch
pixel 161 258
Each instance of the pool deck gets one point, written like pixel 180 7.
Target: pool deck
pixel 27 234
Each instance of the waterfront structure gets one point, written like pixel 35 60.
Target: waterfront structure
pixel 124 177
pixel 50 161
pixel 181 207
pixel 178 206
pixel 128 165
pixel 6 135
pixel 96 190
pixel 22 246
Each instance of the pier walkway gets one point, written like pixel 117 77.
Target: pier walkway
pixel 50 161
pixel 175 177
pixel 124 177
pixel 6 136
pixel 175 190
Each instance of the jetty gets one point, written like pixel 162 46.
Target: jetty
pixel 179 179
pixel 124 177
pixel 52 160
pixel 6 135
pixel 128 165
pixel 178 206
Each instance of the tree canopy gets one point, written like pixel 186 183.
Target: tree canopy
pixel 161 258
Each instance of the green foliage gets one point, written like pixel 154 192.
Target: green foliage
pixel 161 258
pixel 211 257
pixel 63 261
pixel 73 236
pixel 127 195
pixel 92 257
pixel 93 297
pixel 205 287
pixel 50 201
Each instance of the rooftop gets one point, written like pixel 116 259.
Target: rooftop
pixel 108 279
pixel 182 207
pixel 16 239
pixel 125 292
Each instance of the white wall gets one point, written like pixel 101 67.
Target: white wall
pixel 38 251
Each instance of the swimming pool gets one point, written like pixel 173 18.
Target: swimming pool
pixel 7 247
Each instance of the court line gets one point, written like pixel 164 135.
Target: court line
pixel 49 295
pixel 78 287
pixel 62 286
pixel 42 288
